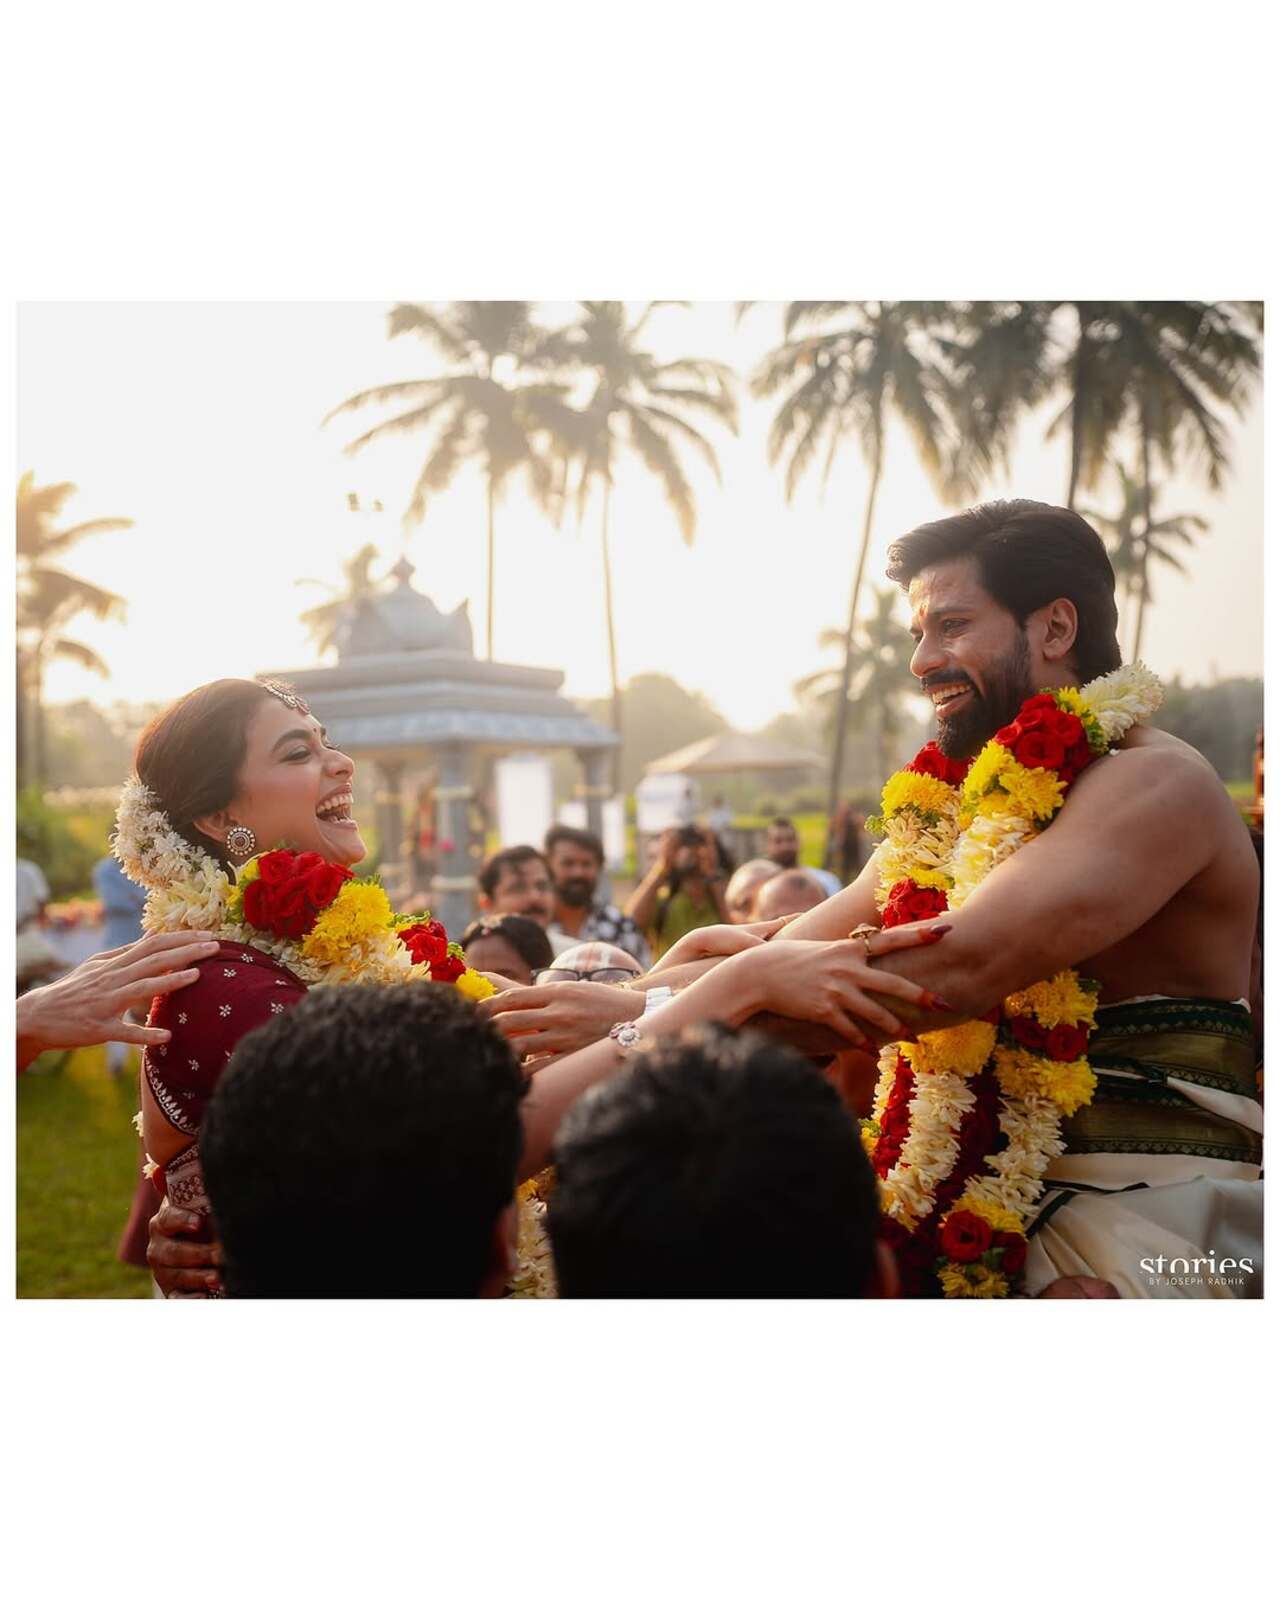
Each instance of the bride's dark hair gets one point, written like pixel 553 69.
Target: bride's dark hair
pixel 190 755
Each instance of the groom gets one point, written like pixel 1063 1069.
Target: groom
pixel 1146 882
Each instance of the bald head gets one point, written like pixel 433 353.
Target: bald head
pixel 788 892
pixel 740 892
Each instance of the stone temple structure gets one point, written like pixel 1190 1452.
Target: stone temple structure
pixel 408 694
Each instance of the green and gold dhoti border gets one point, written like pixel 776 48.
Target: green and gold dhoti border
pixel 1150 1057
pixel 1162 1169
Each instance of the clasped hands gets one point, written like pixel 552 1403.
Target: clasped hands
pixel 828 985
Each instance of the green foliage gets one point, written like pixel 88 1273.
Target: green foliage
pixel 659 716
pixel 85 750
pixel 62 851
pixel 48 598
pixel 1220 720
pixel 77 1168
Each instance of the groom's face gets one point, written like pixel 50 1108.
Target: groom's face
pixel 971 656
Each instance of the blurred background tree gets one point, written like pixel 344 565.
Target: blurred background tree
pixel 48 599
pixel 494 406
pixel 881 686
pixel 638 404
pixel 866 360
pixel 660 716
pixel 324 621
pixel 1220 720
pixel 1135 542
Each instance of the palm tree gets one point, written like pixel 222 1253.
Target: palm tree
pixel 640 404
pixel 324 621
pixel 881 679
pixel 48 599
pixel 1159 366
pixel 881 357
pixel 490 407
pixel 1137 542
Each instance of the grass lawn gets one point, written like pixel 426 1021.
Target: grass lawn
pixel 77 1158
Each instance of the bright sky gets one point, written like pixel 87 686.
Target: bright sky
pixel 202 423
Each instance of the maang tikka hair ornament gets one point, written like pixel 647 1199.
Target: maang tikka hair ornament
pixel 286 695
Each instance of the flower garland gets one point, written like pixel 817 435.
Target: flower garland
pixel 318 920
pixel 966 1119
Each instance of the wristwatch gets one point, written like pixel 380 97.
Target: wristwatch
pixel 625 1034
pixel 653 998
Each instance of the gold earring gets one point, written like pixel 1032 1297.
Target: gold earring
pixel 240 841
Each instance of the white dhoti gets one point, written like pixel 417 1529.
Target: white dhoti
pixel 1201 1239
pixel 1160 1191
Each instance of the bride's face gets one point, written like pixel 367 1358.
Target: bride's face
pixel 295 788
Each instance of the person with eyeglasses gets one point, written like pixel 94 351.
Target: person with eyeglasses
pixel 594 962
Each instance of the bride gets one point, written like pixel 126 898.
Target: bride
pixel 233 769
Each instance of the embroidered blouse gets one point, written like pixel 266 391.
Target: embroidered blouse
pixel 239 988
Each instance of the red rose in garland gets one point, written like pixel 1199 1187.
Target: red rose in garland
pixel 1065 1043
pixel 964 1236
pixel 428 945
pixel 1029 1034
pixel 980 1129
pixel 933 764
pixel 1039 749
pixel 1015 1252
pixel 1069 729
pixel 290 891
pixel 427 942
pixel 907 902
pixel 276 867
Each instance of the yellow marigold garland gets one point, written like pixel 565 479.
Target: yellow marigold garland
pixel 948 836
pixel 964 1049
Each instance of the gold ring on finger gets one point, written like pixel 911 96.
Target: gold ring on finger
pixel 864 931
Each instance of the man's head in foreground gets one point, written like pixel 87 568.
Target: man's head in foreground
pixel 517 880
pixel 716 1166
pixel 364 1143
pixel 1006 599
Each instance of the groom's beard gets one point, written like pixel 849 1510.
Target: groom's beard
pixel 1008 684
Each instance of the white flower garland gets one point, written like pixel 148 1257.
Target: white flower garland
pixel 964 857
pixel 186 888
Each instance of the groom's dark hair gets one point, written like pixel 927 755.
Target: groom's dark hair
pixel 364 1143
pixel 1028 554
pixel 719 1165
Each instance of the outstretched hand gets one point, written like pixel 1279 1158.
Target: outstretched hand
pixel 553 1018
pixel 719 940
pixel 88 1005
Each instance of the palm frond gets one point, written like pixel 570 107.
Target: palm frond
pixel 383 392
pixel 660 418
pixel 799 313
pixel 661 460
pixel 81 655
pixel 451 448
pixel 429 325
pixel 390 427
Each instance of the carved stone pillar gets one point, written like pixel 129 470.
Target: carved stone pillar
pixel 390 815
pixel 453 890
pixel 595 788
